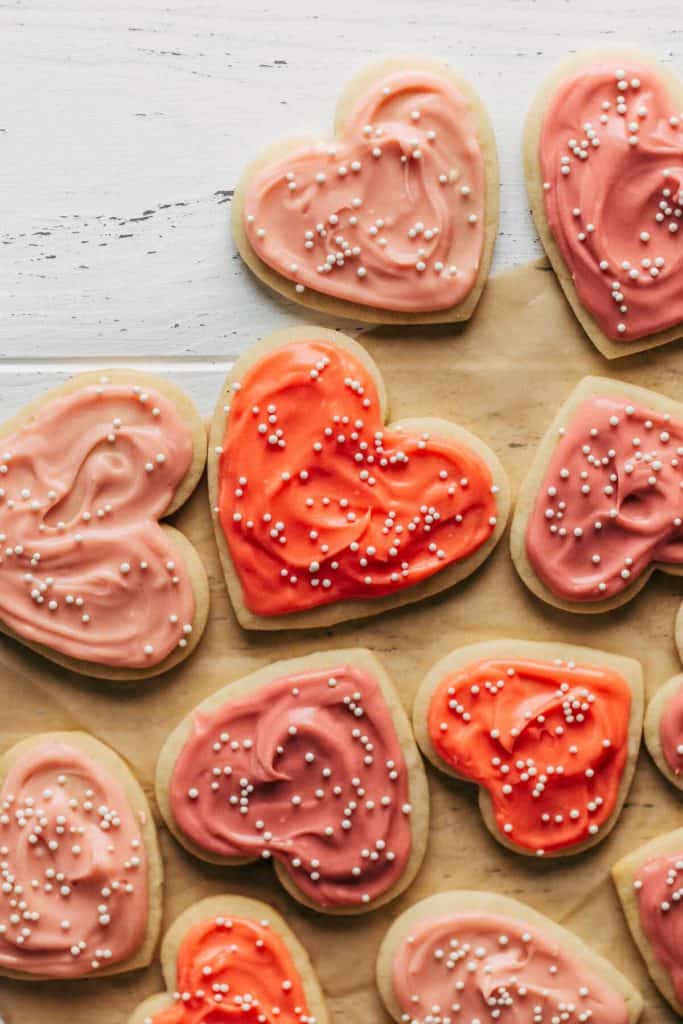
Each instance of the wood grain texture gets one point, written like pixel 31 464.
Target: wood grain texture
pixel 124 128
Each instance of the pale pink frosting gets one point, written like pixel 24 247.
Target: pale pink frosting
pixel 611 500
pixel 659 885
pixel 392 215
pixel 85 568
pixel 468 967
pixel 73 866
pixel 611 160
pixel 307 769
pixel 671 731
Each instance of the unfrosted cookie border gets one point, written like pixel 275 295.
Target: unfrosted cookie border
pixel 230 905
pixel 186 550
pixel 623 875
pixel 251 684
pixel 534 182
pixel 588 387
pixel 356 608
pixel 458 901
pixel 545 650
pixel 349 97
pixel 112 762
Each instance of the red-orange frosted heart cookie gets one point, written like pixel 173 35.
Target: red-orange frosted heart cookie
pixel 602 505
pixel 229 958
pixel 309 763
pixel 321 511
pixel 89 577
pixel 480 956
pixel 549 732
pixel 604 168
pixel 80 870
pixel 394 219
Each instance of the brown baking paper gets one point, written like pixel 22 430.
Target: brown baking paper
pixel 501 376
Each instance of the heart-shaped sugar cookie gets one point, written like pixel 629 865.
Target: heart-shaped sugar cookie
pixel 230 958
pixel 321 512
pixel 309 763
pixel 394 220
pixel 663 730
pixel 602 505
pixel 604 166
pixel 81 871
pixel 88 576
pixel 649 883
pixel 549 732
pixel 479 955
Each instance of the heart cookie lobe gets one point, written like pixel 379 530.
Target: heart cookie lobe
pixel 649 882
pixel 310 764
pixel 392 220
pixel 318 503
pixel 605 175
pixel 81 868
pixel 547 740
pixel 663 730
pixel 604 496
pixel 88 576
pixel 473 953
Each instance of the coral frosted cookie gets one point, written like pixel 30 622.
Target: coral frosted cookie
pixel 88 576
pixel 228 958
pixel 604 167
pixel 649 882
pixel 310 763
pixel 664 730
pixel 80 869
pixel 481 956
pixel 394 219
pixel 602 505
pixel 549 732
pixel 321 512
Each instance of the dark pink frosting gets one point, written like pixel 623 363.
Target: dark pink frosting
pixel 611 500
pixel 307 769
pixel 611 160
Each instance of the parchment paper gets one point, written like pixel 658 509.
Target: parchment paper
pixel 502 376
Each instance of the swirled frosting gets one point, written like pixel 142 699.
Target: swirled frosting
pixel 477 966
pixel 671 731
pixel 318 502
pixel 659 892
pixel 307 769
pixel 235 971
pixel 611 160
pixel 547 739
pixel 73 866
pixel 392 214
pixel 85 568
pixel 611 501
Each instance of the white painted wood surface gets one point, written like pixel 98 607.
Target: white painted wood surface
pixel 124 127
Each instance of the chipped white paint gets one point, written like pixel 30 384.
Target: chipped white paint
pixel 124 127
